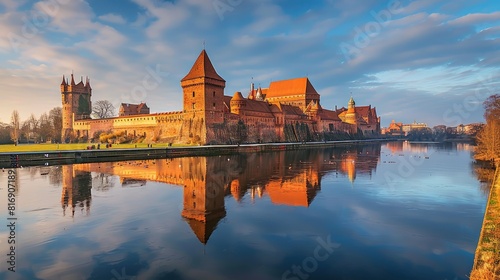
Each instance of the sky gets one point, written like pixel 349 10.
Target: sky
pixel 425 60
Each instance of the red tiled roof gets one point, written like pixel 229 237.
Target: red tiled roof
pixel 142 105
pixel 329 115
pixel 291 110
pixel 258 106
pixel 291 87
pixel 132 109
pixel 238 96
pixel 363 111
pixel 202 68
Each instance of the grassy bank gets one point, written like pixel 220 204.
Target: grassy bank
pixel 487 258
pixel 65 147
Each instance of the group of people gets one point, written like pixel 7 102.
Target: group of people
pixel 93 147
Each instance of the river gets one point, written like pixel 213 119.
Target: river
pixel 376 211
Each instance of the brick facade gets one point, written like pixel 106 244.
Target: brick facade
pixel 287 111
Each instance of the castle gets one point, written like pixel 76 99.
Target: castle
pixel 287 111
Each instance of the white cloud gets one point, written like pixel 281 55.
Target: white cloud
pixel 71 17
pixel 260 39
pixel 113 18
pixel 478 18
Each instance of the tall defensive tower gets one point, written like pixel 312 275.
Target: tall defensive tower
pixel 76 104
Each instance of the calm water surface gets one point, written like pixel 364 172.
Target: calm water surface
pixel 391 211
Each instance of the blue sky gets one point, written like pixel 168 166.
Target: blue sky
pixel 425 61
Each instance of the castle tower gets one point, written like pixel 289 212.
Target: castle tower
pixel 238 103
pixel 351 115
pixel 76 104
pixel 203 91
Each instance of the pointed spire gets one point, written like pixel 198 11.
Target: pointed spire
pixel 87 82
pixel 203 68
pixel 63 83
pixel 72 79
pixel 259 96
pixel 351 102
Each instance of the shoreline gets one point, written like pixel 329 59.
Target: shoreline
pixel 60 157
pixel 487 255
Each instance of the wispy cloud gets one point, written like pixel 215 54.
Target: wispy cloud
pixel 113 18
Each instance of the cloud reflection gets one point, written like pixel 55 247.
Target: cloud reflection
pixel 251 216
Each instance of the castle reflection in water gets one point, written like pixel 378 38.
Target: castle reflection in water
pixel 288 178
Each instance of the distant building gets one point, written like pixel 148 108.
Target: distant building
pixel 413 126
pixel 133 109
pixel 395 129
pixel 288 111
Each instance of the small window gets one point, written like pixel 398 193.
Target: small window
pixel 214 105
pixel 214 93
pixel 193 94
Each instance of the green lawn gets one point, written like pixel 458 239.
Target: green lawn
pixel 62 147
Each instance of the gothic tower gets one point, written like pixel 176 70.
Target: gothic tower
pixel 203 91
pixel 76 104
pixel 351 115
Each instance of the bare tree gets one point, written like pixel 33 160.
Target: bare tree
pixel 492 108
pixel 33 126
pixel 488 139
pixel 103 109
pixel 55 117
pixel 24 131
pixel 45 128
pixel 15 127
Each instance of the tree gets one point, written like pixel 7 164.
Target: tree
pixel 103 109
pixel 15 127
pixel 55 117
pixel 5 134
pixel 45 128
pixel 492 108
pixel 33 126
pixel 488 139
pixel 24 132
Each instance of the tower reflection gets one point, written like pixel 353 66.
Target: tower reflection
pixel 76 193
pixel 290 178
